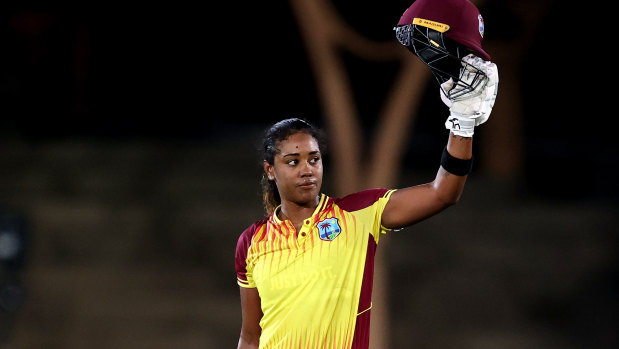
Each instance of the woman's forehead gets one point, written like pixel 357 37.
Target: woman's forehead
pixel 297 143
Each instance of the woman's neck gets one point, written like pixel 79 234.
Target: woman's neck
pixel 297 213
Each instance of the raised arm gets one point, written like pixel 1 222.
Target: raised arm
pixel 251 313
pixel 413 204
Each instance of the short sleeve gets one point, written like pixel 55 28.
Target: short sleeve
pixel 379 230
pixel 243 275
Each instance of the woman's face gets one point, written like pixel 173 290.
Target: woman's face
pixel 297 169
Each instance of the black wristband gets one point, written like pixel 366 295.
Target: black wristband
pixel 456 166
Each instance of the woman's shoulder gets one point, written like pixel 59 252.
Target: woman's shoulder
pixel 246 236
pixel 361 199
pixel 255 225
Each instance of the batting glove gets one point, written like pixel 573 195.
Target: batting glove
pixel 471 99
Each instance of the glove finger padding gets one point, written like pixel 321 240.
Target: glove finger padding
pixel 490 93
pixel 471 98
pixel 444 90
pixel 471 81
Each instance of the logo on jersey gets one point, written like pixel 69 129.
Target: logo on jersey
pixel 329 229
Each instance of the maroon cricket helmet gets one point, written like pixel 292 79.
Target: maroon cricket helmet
pixel 460 20
pixel 441 33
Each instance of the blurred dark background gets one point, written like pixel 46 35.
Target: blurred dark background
pixel 129 165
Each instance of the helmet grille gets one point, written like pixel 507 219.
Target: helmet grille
pixel 441 54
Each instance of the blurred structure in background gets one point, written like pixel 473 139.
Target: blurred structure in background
pixel 13 246
pixel 128 139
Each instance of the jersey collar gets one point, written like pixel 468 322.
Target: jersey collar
pixel 321 205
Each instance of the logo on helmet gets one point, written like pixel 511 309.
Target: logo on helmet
pixel 481 25
pixel 439 27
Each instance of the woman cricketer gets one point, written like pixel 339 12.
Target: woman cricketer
pixel 305 271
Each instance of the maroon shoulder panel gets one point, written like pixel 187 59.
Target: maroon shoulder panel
pixel 242 246
pixel 360 200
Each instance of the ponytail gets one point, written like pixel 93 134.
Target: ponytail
pixel 270 195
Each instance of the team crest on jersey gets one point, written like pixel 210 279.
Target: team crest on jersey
pixel 481 25
pixel 329 229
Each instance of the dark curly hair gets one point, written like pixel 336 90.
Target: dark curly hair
pixel 270 146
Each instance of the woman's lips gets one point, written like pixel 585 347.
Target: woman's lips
pixel 307 185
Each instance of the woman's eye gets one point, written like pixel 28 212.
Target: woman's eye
pixel 292 162
pixel 315 160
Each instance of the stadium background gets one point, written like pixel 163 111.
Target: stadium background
pixel 129 166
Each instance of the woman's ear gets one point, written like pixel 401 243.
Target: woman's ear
pixel 269 170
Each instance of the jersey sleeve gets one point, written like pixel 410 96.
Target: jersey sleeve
pixel 243 275
pixel 379 230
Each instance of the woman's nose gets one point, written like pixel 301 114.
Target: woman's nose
pixel 306 169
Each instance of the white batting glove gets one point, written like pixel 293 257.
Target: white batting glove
pixel 471 99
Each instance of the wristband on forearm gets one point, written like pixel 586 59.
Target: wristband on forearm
pixel 456 166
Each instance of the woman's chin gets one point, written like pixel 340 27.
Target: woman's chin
pixel 307 197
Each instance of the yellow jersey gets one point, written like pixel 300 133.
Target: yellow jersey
pixel 315 285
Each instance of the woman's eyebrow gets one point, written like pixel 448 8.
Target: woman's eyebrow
pixel 297 154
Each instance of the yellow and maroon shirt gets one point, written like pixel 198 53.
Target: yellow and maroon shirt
pixel 315 285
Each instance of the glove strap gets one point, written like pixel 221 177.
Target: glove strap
pixel 460 125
